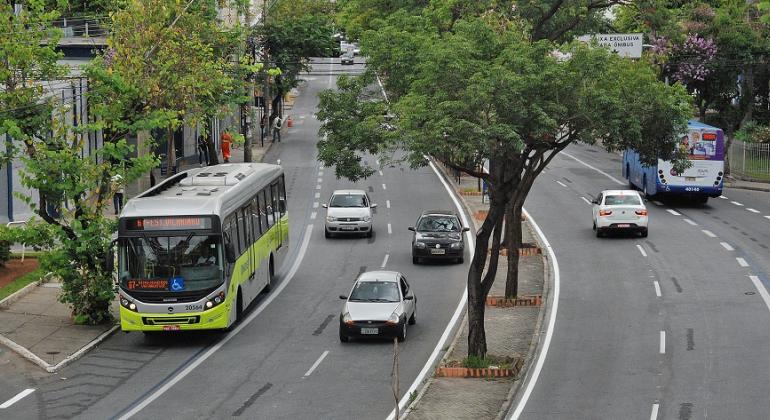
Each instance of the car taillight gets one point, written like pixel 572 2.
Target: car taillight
pixel 641 212
pixel 605 212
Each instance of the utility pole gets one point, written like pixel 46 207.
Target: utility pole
pixel 248 82
pixel 266 61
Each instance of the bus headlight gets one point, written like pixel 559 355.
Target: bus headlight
pixel 124 302
pixel 216 300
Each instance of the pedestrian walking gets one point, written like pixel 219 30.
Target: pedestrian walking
pixel 263 126
pixel 277 124
pixel 203 151
pixel 226 140
pixel 117 197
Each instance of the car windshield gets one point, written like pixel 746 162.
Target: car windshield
pixel 170 263
pixel 438 224
pixel 348 200
pixel 620 200
pixel 374 291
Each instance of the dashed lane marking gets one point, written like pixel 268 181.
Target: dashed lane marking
pixel 674 212
pixel 657 288
pixel 742 262
pixel 317 362
pixel 737 203
pixel 390 229
pixel 317 195
pixel 654 413
pixel 662 342
pixel 320 180
pixel 381 173
pixel 315 205
pixel 562 184
pixel 313 215
pixel 385 261
pixel 318 187
pixel 727 246
pixel 753 210
pixel 709 233
pixel 688 221
pixel 644 254
pixel 17 398
pixel 387 203
pixel 384 187
pixel 587 201
pixel 723 197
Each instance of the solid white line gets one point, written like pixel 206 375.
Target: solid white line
pixel 317 362
pixel 384 187
pixel 761 289
pixel 313 215
pixel 320 173
pixel 18 397
pixel 532 378
pixel 709 233
pixel 617 181
pixel 754 210
pixel 587 201
pixel 390 229
pixel 657 203
pixel 662 342
pixel 737 203
pixel 657 288
pixel 723 197
pixel 742 262
pixel 644 254
pixel 428 367
pixel 387 203
pixel 674 212
pixel 215 348
pixel 690 222
pixel 654 413
pixel 727 246
pixel 315 205
pixel 385 261
pixel 317 195
pixel 562 184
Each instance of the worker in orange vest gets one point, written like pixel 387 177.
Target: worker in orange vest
pixel 226 140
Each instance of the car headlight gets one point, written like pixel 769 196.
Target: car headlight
pixel 394 318
pixel 419 245
pixel 330 218
pixel 367 218
pixel 456 245
pixel 346 318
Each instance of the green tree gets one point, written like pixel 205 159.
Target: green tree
pixel 485 90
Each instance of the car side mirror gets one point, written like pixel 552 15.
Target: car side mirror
pixel 230 253
pixel 594 201
pixel 466 229
pixel 373 205
pixel 326 206
pixel 411 297
pixel 343 297
pixel 411 228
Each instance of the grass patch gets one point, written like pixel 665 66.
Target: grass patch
pixel 20 282
pixel 475 362
pixel 28 254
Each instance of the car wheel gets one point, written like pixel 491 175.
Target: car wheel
pixel 412 319
pixel 402 336
pixel 415 260
pixel 344 338
pixel 460 260
pixel 327 234
pixel 370 233
pixel 644 233
pixel 599 233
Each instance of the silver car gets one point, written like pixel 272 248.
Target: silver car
pixel 349 211
pixel 380 304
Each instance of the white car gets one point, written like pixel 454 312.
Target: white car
pixel 380 304
pixel 619 210
pixel 349 211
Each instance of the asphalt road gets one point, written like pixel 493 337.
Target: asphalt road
pixel 672 326
pixel 285 360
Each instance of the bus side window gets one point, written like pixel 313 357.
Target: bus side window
pixel 248 233
pixel 281 196
pixel 276 200
pixel 256 221
pixel 263 211
pixel 241 232
pixel 269 207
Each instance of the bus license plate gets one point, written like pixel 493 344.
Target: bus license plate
pixel 370 331
pixel 171 328
pixel 689 178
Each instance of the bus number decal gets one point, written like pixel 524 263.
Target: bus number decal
pixel 692 189
pixel 193 307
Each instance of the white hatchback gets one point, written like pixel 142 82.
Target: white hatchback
pixel 349 211
pixel 619 210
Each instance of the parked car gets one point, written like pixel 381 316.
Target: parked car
pixel 620 210
pixel 349 211
pixel 438 234
pixel 380 304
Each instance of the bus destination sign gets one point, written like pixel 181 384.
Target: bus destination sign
pixel 169 223
pixel 147 284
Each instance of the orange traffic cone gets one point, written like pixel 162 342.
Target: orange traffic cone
pixel 289 121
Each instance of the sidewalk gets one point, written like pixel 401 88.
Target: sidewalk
pixel 34 324
pixel 512 334
pixel 731 182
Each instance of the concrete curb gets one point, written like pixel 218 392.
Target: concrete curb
pixel 747 187
pixel 13 297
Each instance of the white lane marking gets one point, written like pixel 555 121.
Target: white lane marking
pixel 215 348
pixel 709 233
pixel 320 173
pixel 767 217
pixel 654 413
pixel 674 212
pixel 742 262
pixel 390 229
pixel 723 197
pixel 317 195
pixel 737 203
pixel 385 261
pixel 381 173
pixel 315 205
pixel 644 254
pixel 727 246
pixel 16 398
pixel 754 210
pixel 662 342
pixel 617 181
pixel 313 215
pixel 384 187
pixel 761 289
pixel 387 203
pixel 534 373
pixel 587 201
pixel 657 289
pixel 657 203
pixel 428 367
pixel 318 187
pixel 562 184
pixel 317 362
pixel 320 180
pixel 690 222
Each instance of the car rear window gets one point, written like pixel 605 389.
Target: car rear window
pixel 622 200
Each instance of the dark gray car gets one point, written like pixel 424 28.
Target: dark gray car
pixel 438 235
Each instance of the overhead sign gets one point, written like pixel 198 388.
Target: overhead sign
pixel 626 45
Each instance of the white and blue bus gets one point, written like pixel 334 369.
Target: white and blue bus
pixel 705 147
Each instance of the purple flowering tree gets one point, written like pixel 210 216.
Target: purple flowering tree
pixel 693 59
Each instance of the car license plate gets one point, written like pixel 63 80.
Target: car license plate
pixel 624 225
pixel 370 331
pixel 171 328
pixel 438 251
pixel 689 178
pixel 346 227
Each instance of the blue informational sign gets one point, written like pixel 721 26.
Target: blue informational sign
pixel 176 284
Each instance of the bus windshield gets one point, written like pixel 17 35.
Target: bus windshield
pixel 170 263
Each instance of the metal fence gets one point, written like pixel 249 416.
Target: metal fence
pixel 750 161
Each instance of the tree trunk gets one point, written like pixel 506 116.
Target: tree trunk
pixel 212 151
pixel 748 95
pixel 513 236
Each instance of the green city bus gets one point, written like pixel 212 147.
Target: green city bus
pixel 196 249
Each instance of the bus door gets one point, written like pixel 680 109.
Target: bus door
pixel 279 202
pixel 246 239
